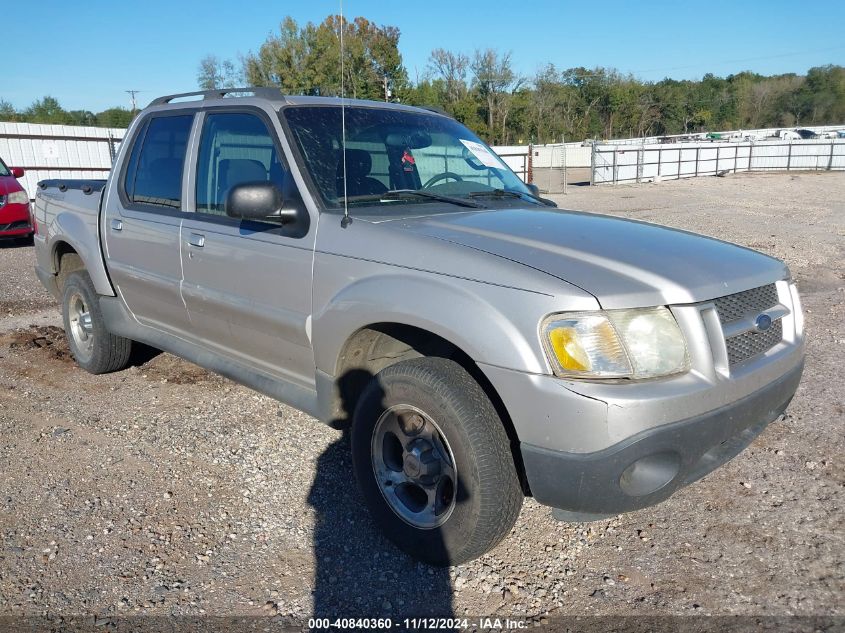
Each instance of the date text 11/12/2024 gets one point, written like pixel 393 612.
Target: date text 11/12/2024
pixel 419 624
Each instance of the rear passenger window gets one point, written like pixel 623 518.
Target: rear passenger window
pixel 154 172
pixel 236 148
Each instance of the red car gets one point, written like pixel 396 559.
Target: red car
pixel 15 220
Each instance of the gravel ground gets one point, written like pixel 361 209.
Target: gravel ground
pixel 20 291
pixel 166 490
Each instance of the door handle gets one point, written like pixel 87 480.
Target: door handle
pixel 196 239
pixel 116 225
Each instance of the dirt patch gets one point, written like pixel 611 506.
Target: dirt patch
pixel 153 366
pixel 50 339
pixel 167 368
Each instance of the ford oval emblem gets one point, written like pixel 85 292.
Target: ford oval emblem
pixel 763 323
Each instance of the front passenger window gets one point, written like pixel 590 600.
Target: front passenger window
pixel 235 148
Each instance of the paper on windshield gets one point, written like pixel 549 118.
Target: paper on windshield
pixel 484 155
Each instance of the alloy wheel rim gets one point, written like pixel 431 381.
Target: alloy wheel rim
pixel 414 466
pixel 81 325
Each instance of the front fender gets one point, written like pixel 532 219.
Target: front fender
pixel 468 314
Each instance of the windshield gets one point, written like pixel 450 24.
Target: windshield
pixel 394 157
pixel 4 171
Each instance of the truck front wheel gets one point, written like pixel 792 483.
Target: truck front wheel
pixel 94 348
pixel 433 461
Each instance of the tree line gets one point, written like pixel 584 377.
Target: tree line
pixel 48 110
pixel 484 90
pixel 485 93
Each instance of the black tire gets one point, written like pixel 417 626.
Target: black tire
pixel 487 494
pixel 103 352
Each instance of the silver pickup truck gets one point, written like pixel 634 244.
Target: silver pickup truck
pixel 378 265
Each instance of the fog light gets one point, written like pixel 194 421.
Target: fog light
pixel 649 474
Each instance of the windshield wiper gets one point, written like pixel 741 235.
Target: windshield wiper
pixel 403 194
pixel 506 193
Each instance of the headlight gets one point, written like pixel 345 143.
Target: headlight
pixel 18 197
pixel 641 343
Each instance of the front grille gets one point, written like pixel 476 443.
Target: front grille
pixel 743 346
pixel 749 304
pixel 736 306
pixel 14 226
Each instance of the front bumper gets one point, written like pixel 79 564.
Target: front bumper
pixel 15 220
pixel 16 229
pixel 648 467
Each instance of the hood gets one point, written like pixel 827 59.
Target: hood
pixel 623 263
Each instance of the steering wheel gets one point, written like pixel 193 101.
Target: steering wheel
pixel 443 176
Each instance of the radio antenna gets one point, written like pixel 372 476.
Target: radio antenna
pixel 346 219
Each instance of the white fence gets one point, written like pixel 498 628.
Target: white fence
pixel 556 155
pixel 547 163
pixel 553 155
pixel 515 157
pixel 726 135
pixel 58 151
pixel 648 163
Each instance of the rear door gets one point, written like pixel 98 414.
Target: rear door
pixel 141 223
pixel 247 284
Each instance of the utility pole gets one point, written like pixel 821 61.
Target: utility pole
pixel 386 90
pixel 563 148
pixel 132 94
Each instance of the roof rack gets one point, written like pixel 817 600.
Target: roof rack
pixel 273 94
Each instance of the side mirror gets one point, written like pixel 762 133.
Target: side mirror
pixel 260 201
pixel 534 189
pixel 17 172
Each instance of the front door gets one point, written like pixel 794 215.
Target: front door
pixel 247 284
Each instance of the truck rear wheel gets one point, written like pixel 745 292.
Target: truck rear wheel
pixel 433 461
pixel 94 348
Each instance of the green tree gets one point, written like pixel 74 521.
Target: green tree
pixel 307 60
pixel 546 103
pixel 495 81
pixel 46 110
pixel 427 92
pixel 81 117
pixel 8 112
pixel 114 117
pixel 214 73
pixel 451 70
pixel 823 94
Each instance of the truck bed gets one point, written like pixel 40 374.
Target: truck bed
pixel 68 210
pixel 59 195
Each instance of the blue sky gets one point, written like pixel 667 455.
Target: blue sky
pixel 87 54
